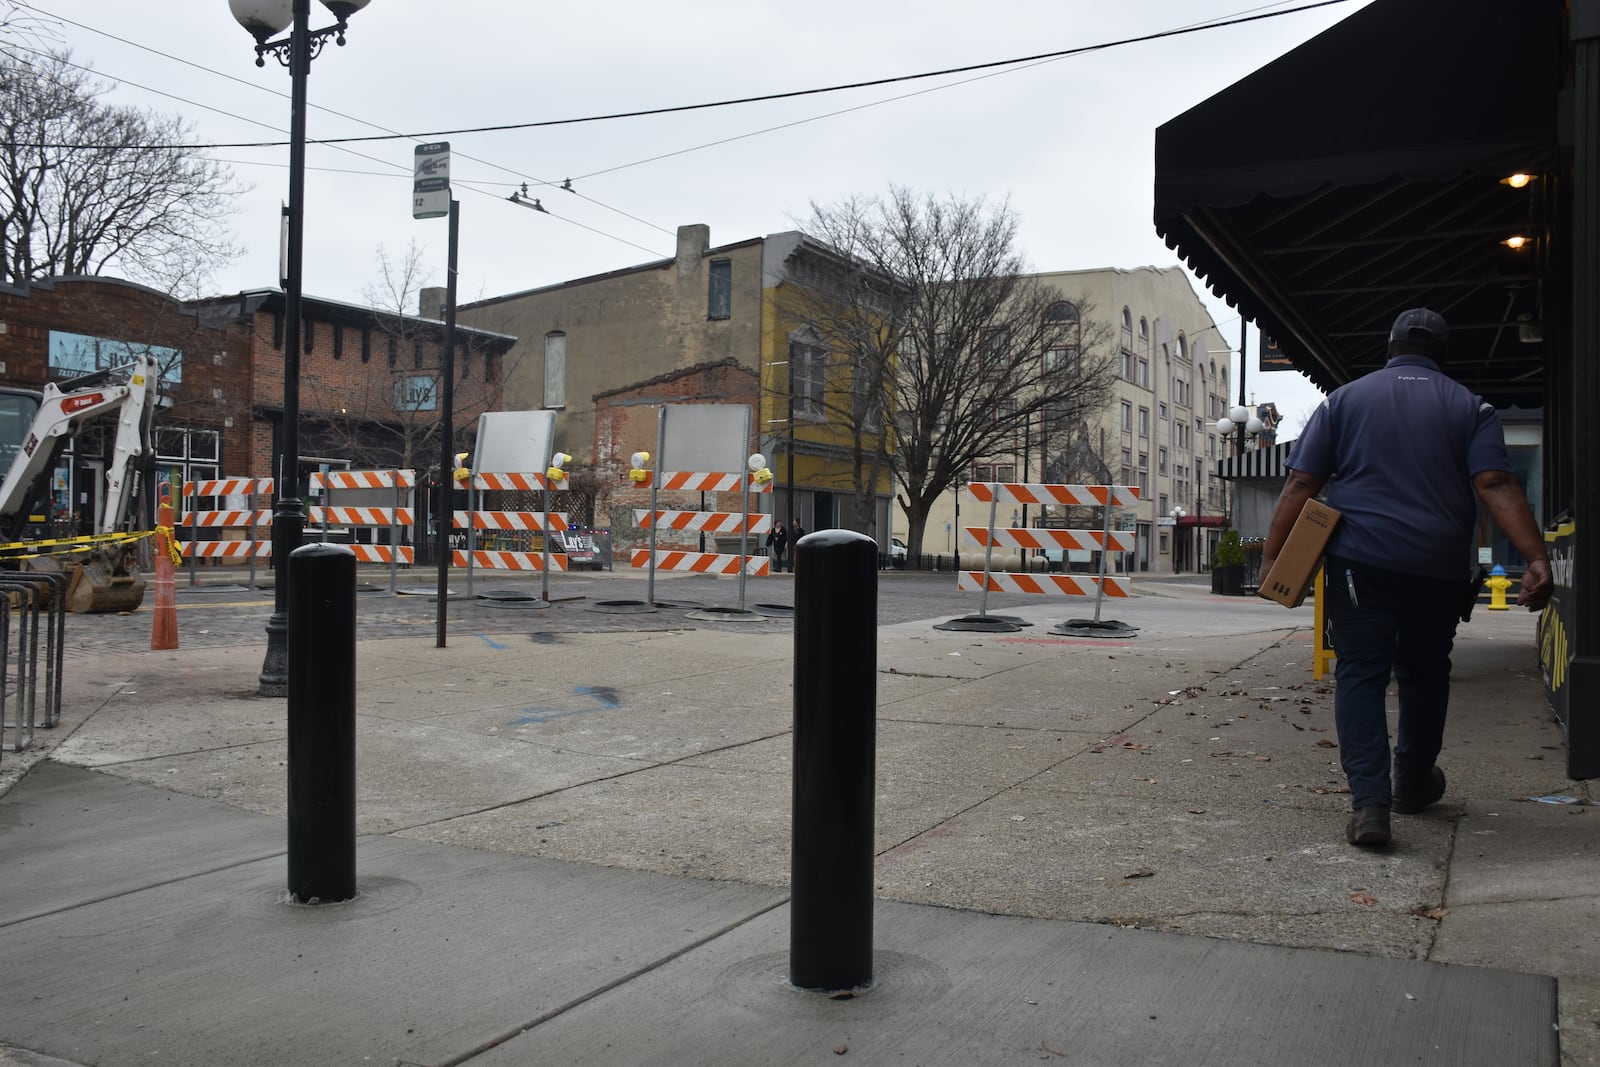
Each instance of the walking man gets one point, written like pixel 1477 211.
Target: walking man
pixel 777 540
pixel 1406 454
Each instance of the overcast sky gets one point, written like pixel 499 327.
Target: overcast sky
pixel 1068 141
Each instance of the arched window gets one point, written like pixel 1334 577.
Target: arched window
pixel 1061 313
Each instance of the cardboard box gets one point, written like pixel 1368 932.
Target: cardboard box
pixel 1290 578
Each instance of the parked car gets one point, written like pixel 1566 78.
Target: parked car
pixel 896 553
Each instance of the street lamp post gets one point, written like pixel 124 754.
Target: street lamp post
pixel 1177 517
pixel 265 19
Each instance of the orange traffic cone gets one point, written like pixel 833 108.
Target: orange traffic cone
pixel 164 625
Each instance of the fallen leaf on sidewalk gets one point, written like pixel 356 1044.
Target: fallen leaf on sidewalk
pixel 1323 742
pixel 1430 913
pixel 1197 811
pixel 1142 872
pixel 1363 899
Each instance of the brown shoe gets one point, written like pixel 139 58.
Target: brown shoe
pixel 1368 826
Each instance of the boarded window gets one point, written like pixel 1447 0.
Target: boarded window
pixel 555 369
pixel 719 297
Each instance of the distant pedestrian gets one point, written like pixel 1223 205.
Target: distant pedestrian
pixel 777 541
pixel 796 531
pixel 1407 455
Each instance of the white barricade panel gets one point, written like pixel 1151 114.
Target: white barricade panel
pixel 508 561
pixel 723 522
pixel 1054 584
pixel 702 562
pixel 1040 493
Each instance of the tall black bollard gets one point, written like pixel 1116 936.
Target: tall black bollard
pixel 322 723
pixel 835 737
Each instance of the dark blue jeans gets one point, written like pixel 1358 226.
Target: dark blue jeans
pixel 1396 624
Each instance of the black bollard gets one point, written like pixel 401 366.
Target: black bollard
pixel 835 738
pixel 322 723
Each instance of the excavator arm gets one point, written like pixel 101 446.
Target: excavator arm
pixel 131 392
pixel 103 577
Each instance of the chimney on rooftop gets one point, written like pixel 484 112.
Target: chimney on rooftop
pixel 692 244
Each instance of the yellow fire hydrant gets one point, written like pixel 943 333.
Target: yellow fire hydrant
pixel 1498 583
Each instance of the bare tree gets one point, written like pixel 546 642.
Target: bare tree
pixel 87 187
pixel 389 417
pixel 937 326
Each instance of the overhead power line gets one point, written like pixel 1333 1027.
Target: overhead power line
pixel 788 95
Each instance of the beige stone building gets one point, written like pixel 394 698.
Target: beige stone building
pixel 606 336
pixel 1158 431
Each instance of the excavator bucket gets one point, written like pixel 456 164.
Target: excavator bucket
pixel 97 585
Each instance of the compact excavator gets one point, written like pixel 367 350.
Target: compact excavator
pixel 101 567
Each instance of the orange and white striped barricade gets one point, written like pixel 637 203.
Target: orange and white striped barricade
pixel 397 519
pixel 1104 540
pixel 521 525
pixel 743 522
pixel 254 520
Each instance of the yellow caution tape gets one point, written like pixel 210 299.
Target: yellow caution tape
pixel 172 546
pixel 68 545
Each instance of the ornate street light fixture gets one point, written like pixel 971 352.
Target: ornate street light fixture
pixel 265 19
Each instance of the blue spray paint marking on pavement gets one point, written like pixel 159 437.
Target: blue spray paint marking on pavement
pixel 491 642
pixel 604 696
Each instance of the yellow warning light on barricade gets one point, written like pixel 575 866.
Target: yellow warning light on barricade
pixel 639 461
pixel 762 476
pixel 555 472
pixel 758 469
pixel 461 471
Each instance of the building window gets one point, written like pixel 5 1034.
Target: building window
pixel 868 395
pixel 808 362
pixel 994 347
pixel 1144 422
pixel 186 455
pixel 1127 330
pixel 394 352
pixel 555 369
pixel 1161 410
pixel 994 472
pixel 1161 462
pixel 719 295
pixel 1127 365
pixel 1127 416
pixel 1060 359
pixel 1144 374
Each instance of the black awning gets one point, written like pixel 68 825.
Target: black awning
pixel 1359 175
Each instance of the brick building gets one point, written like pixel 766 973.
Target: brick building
pixel 369 380
pixel 625 422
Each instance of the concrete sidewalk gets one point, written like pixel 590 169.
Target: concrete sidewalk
pixel 575 849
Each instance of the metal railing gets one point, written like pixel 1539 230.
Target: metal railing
pixel 27 600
